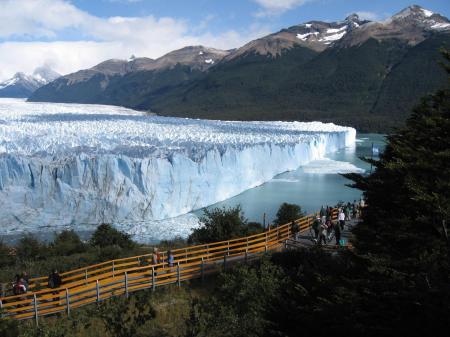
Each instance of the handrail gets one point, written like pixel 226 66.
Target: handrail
pixel 122 276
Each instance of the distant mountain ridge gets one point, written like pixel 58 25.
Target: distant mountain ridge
pixel 355 72
pixel 22 85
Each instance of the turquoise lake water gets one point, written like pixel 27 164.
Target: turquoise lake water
pixel 311 186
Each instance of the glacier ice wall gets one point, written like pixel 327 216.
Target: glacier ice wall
pixel 64 165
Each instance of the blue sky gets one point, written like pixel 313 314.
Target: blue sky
pixel 70 35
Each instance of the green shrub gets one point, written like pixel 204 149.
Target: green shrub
pixel 220 224
pixel 107 235
pixel 288 213
pixel 67 243
pixel 29 248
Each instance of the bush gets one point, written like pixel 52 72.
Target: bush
pixel 29 248
pixel 220 224
pixel 124 317
pixel 107 235
pixel 68 243
pixel 288 213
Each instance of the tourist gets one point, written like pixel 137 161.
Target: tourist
pixel 337 233
pixel 19 287
pixel 322 234
pixel 26 279
pixel 329 225
pixel 329 212
pixel 171 258
pixel 155 256
pixel 341 218
pixel 322 212
pixel 54 282
pixel 316 227
pixel 347 211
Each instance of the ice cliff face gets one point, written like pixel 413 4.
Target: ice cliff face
pixel 80 165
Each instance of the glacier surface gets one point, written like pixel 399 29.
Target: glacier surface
pixel 75 166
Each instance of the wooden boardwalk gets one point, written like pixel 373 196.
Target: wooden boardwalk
pixel 122 276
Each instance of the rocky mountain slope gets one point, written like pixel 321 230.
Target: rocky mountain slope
pixel 364 74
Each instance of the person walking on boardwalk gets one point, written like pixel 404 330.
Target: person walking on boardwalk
pixel 155 256
pixel 170 258
pixel 26 279
pixel 316 228
pixel 322 234
pixel 19 287
pixel 322 212
pixel 341 218
pixel 54 282
pixel 329 213
pixel 337 233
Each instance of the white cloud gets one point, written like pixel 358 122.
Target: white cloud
pixel 35 34
pixel 372 16
pixel 277 7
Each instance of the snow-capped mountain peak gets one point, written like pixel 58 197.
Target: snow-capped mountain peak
pixel 23 85
pixel 420 16
pixel 327 33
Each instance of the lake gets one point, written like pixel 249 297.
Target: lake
pixel 310 186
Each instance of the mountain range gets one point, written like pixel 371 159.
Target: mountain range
pixel 22 85
pixel 355 72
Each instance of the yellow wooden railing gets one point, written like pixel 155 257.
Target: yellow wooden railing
pixel 123 276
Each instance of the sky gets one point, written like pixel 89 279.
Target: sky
pixel 71 35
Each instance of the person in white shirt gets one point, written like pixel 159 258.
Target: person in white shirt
pixel 341 218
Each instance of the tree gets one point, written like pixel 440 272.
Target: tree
pixel 220 224
pixel 288 213
pixel 29 248
pixel 67 243
pixel 107 235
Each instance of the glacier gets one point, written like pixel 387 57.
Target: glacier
pixel 76 166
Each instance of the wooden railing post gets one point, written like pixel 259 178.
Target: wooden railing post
pixel 85 275
pixel 178 274
pixel 1 307
pixel 246 255
pixel 228 247
pixel 126 284
pixel 203 269
pixel 98 291
pixel 153 279
pixel 113 271
pixel 67 302
pixel 36 314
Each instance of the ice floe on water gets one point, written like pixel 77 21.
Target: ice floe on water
pixel 329 166
pixel 68 165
